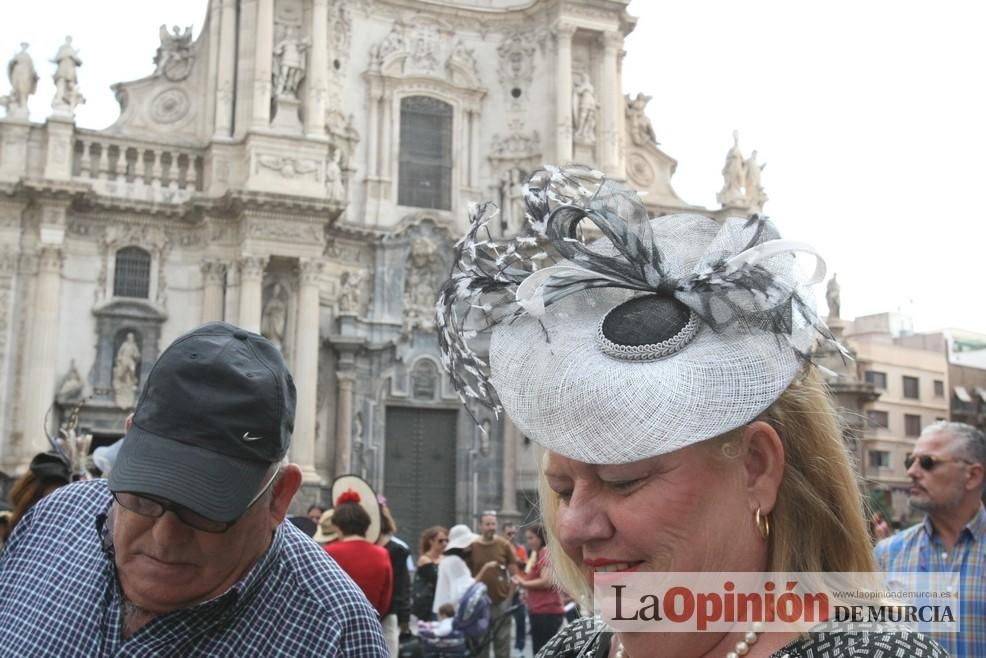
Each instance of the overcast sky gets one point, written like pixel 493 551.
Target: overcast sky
pixel 870 115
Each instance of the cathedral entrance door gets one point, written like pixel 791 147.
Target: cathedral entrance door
pixel 419 469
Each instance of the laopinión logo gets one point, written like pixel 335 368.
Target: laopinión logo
pixel 696 602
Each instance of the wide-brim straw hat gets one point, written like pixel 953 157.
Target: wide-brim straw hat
pixel 663 333
pixel 367 500
pixel 325 532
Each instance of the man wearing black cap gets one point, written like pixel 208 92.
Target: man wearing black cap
pixel 183 550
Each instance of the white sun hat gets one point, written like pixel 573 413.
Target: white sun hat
pixel 660 334
pixel 460 536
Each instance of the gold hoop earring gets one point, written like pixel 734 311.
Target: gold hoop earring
pixel 763 524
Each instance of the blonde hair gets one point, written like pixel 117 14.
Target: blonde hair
pixel 818 522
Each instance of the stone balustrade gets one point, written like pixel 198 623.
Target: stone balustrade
pixel 144 171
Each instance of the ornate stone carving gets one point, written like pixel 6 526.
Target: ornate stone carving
pixel 287 231
pixel 755 195
pixel 516 146
pixel 733 176
pixel 23 83
pixel 289 64
pixel 516 65
pixel 639 170
pixel 126 373
pixel 169 106
pixel 833 297
pixel 464 59
pixel 310 271
pixel 288 167
pixel 213 271
pixel 741 186
pixel 349 291
pixel 394 42
pixel 641 129
pixel 67 96
pixel 425 274
pixel 512 208
pixel 274 320
pixel 424 380
pixel 252 267
pixel 341 29
pixel 584 109
pixel 70 388
pixel 335 187
pixel 50 258
pixel 174 57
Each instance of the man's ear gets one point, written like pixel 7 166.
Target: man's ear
pixel 763 461
pixel 975 480
pixel 285 486
pixel 127 423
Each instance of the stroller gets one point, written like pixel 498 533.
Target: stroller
pixel 473 627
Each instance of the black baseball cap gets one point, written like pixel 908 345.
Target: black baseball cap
pixel 216 411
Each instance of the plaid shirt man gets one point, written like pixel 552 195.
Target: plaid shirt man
pixel 919 549
pixel 60 596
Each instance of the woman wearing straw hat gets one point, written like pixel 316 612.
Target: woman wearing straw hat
pixel 665 370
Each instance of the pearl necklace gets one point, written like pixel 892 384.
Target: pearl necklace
pixel 740 649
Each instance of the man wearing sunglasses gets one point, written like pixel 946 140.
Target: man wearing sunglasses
pixel 947 480
pixel 182 552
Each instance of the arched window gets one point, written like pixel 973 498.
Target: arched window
pixel 426 153
pixel 132 274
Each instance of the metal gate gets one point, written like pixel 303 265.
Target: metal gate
pixel 419 469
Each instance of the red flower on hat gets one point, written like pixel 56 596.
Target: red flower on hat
pixel 347 496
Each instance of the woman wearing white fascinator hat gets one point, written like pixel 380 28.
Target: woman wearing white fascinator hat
pixel 665 369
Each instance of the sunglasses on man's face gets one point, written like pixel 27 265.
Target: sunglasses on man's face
pixel 929 462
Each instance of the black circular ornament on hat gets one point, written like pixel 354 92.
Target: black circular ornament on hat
pixel 646 328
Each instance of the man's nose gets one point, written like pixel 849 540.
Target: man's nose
pixel 169 529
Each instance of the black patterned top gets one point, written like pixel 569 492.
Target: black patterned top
pixel 586 638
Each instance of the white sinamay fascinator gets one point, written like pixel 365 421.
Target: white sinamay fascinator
pixel 660 334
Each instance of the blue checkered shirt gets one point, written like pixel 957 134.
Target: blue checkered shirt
pixel 919 549
pixel 59 596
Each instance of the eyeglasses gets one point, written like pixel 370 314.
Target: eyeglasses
pixel 929 462
pixel 154 507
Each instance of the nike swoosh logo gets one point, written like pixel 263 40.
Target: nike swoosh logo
pixel 247 437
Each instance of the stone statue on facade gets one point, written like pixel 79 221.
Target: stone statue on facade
pixel 174 56
pixel 734 177
pixel 289 64
pixel 424 278
pixel 584 110
pixel 641 129
pixel 349 287
pixel 833 298
pixel 71 387
pixel 512 209
pixel 67 96
pixel 334 185
pixel 23 83
pixel 125 372
pixel 755 195
pixel 274 321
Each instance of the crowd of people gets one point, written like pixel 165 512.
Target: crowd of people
pixel 664 369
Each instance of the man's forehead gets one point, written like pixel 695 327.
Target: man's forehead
pixel 934 440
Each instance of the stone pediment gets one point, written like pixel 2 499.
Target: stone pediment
pixel 169 103
pixel 130 308
pixel 425 47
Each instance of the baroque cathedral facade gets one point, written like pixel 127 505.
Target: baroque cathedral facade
pixel 302 169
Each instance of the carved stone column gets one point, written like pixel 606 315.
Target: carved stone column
pixel 611 102
pixel 306 367
pixel 511 437
pixel 262 64
pixel 318 70
pixel 227 70
pixel 213 282
pixel 39 382
pixel 473 149
pixel 58 152
pixel 563 94
pixel 251 291
pixel 344 422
